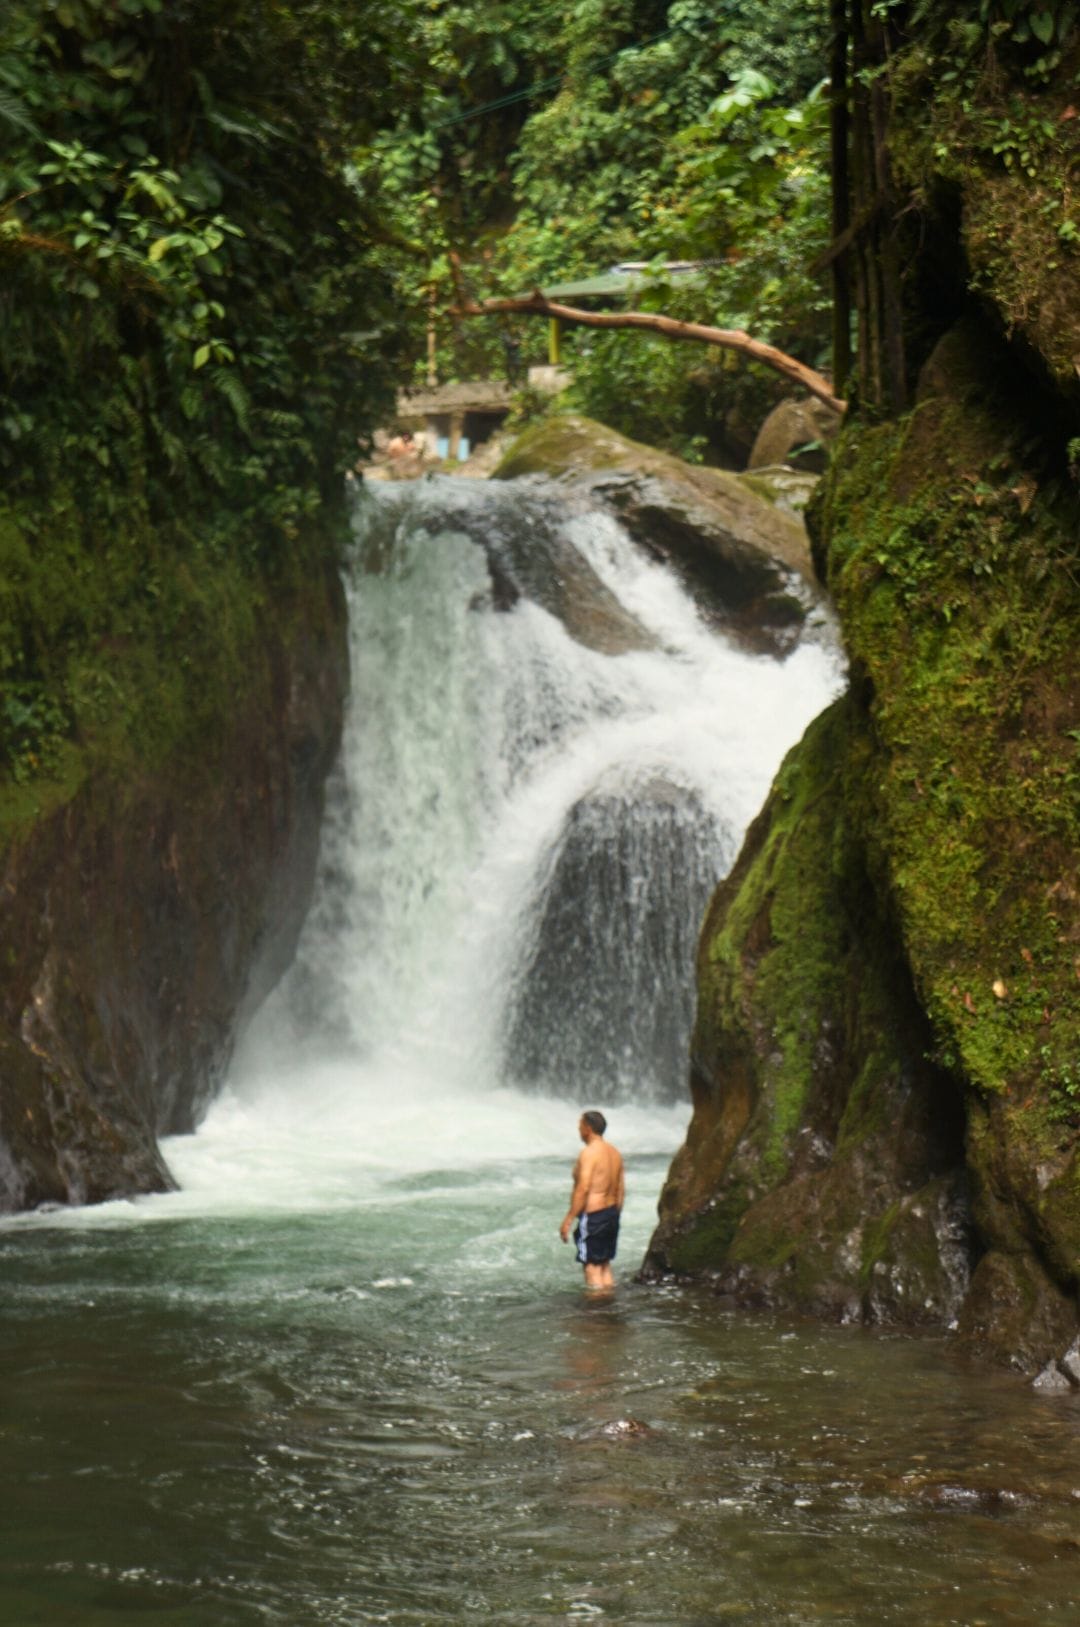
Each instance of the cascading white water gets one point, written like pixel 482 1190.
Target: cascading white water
pixel 549 761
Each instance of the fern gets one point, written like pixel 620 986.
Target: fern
pixel 227 383
pixel 13 111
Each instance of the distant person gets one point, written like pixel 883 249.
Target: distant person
pixel 595 1202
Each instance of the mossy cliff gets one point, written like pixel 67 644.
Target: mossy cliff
pixel 824 1160
pixel 886 1062
pixel 155 880
pixel 198 319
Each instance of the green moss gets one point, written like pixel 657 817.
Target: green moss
pixel 122 648
pixel 703 1244
pixel 876 1237
pixel 557 445
pixel 949 562
pixel 782 894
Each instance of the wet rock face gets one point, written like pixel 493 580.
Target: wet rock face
pixel 744 556
pixel 144 923
pixel 612 933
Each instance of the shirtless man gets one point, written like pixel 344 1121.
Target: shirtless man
pixel 595 1202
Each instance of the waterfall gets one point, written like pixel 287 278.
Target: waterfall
pixel 549 762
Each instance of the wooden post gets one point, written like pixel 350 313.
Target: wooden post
pixel 554 341
pixel 432 373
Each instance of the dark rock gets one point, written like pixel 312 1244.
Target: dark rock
pixel 1014 1311
pixel 144 923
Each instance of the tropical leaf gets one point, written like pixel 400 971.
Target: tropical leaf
pixel 14 113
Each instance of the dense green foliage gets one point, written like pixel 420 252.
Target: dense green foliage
pixel 549 144
pixel 223 229
pixel 192 335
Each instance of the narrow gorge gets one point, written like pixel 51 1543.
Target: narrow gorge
pixel 432 704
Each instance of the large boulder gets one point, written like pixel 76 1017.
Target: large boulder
pixel 144 921
pixel 792 425
pixel 745 556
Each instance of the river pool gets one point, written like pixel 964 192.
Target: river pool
pixel 401 1407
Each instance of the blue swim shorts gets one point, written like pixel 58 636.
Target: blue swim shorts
pixel 597 1236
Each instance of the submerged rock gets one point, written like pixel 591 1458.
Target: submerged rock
pixel 745 558
pixel 1051 1381
pixel 618 1429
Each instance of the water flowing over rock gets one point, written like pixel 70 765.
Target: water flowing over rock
pixel 602 994
pixel 547 765
pixel 744 557
pixel 143 924
pixel 529 554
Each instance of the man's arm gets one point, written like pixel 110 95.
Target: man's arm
pixel 578 1197
pixel 620 1185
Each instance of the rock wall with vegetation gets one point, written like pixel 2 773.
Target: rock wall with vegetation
pixel 887 1108
pixel 194 329
pixel 146 915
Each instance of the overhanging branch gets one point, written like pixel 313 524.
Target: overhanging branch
pixel 670 327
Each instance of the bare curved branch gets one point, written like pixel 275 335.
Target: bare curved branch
pixel 670 327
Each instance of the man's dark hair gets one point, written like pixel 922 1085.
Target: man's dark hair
pixel 596 1121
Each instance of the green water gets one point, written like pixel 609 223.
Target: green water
pixel 348 1374
pixel 394 1412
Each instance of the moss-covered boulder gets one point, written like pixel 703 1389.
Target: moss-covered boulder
pixel 887 1100
pixel 744 554
pixel 925 855
pixel 824 1163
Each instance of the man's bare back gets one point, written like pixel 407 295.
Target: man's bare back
pixel 599 1173
pixel 599 1190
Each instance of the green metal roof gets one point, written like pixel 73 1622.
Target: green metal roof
pixel 616 282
